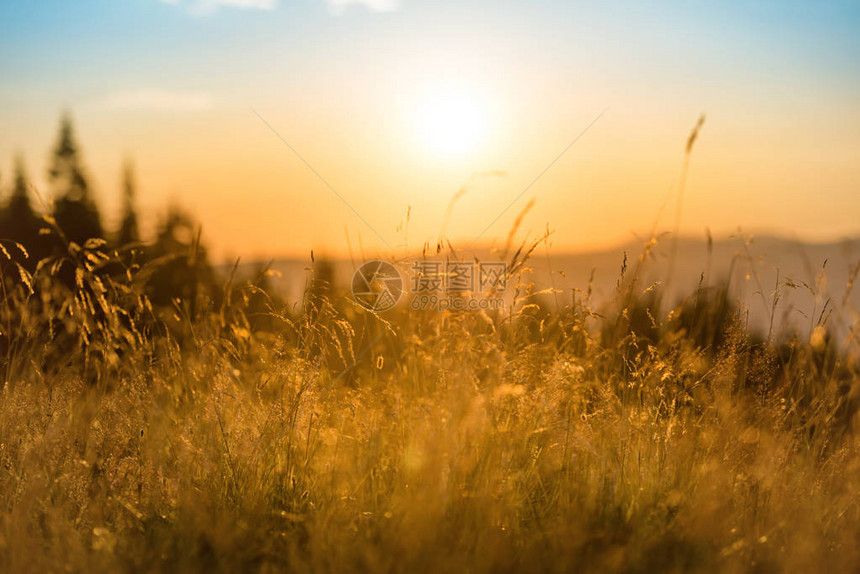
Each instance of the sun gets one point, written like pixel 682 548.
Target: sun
pixel 452 123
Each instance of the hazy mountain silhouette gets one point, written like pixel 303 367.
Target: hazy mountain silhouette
pixel 751 267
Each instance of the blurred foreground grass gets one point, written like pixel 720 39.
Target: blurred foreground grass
pixel 240 436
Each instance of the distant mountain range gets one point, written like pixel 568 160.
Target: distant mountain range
pixel 754 267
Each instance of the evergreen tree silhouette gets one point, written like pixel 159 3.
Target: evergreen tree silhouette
pixel 179 267
pixel 128 229
pixel 320 289
pixel 74 210
pixel 20 223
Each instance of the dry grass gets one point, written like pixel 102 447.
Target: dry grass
pixel 635 440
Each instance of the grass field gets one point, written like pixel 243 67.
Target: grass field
pixel 254 435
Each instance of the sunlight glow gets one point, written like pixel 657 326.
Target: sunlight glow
pixel 452 123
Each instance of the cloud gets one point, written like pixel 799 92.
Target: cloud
pixel 202 7
pixel 336 7
pixel 339 6
pixel 161 100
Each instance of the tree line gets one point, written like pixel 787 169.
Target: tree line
pixel 175 261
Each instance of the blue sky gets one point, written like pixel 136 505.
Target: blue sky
pixel 171 84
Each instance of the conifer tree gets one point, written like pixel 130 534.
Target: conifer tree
pixel 74 209
pixel 128 229
pixel 19 222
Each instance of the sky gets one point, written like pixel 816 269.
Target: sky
pixel 290 125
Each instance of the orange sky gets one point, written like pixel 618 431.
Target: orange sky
pixel 351 91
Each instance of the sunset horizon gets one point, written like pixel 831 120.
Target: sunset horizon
pixel 421 107
pixel 430 286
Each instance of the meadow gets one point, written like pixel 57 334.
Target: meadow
pixel 241 432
